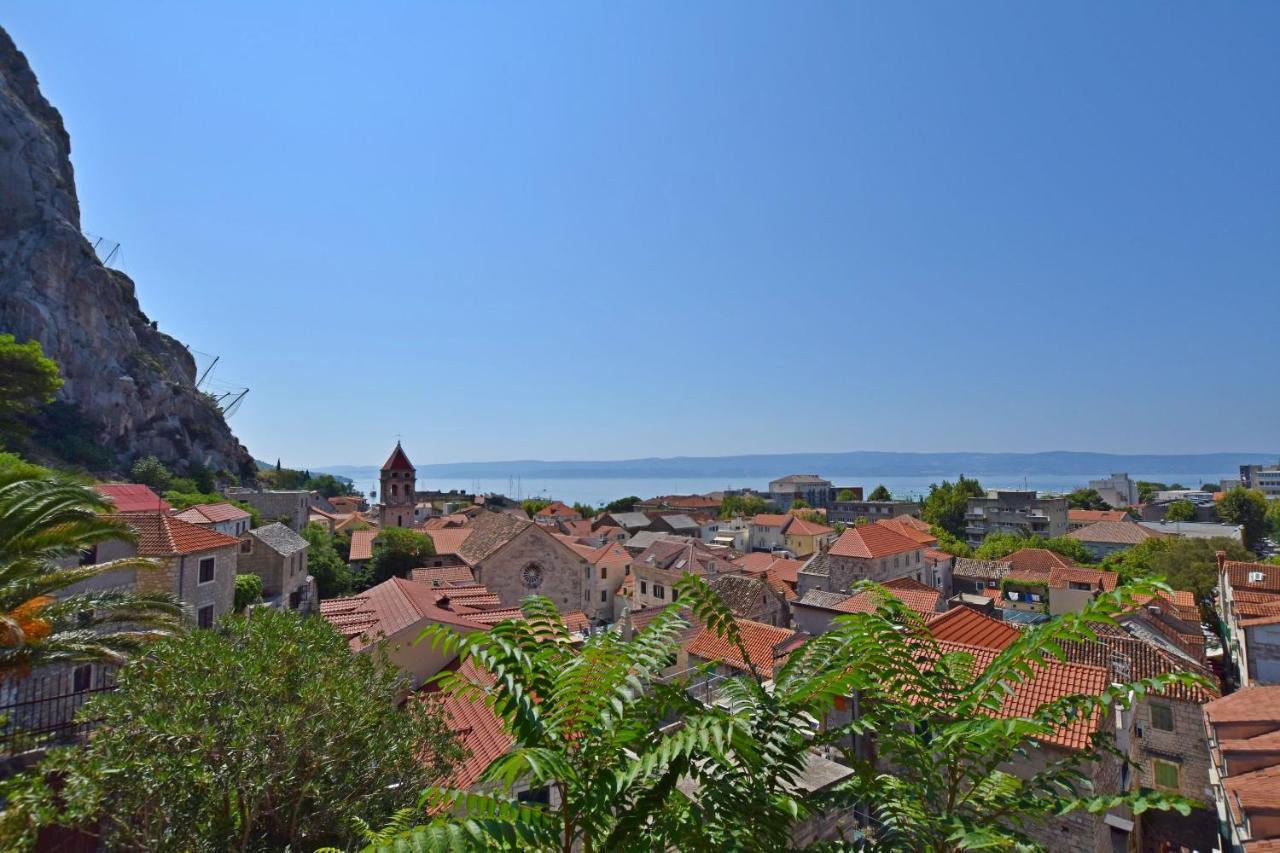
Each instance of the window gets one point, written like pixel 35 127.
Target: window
pixel 394 489
pixel 82 678
pixel 89 556
pixel 604 596
pixel 1165 773
pixel 1255 577
pixel 206 570
pixel 204 616
pixel 1162 716
pixel 644 588
pixel 537 795
pixel 246 546
pixel 658 591
pixel 675 594
pixel 604 573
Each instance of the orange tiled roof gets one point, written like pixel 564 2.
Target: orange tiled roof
pixel 447 540
pixel 756 561
pixel 910 531
pixel 1115 533
pixel 969 627
pixel 1238 574
pixel 556 509
pixel 443 576
pixel 212 513
pixel 1251 704
pixel 387 608
pixel 770 520
pixel 1035 559
pixel 923 600
pixel 1060 577
pixel 766 646
pixel 1089 516
pixel 801 527
pixel 165 535
pixel 132 497
pixel 362 545
pixel 476 726
pixel 871 541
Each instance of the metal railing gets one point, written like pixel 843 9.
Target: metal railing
pixel 38 719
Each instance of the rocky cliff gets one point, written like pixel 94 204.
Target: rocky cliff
pixel 132 387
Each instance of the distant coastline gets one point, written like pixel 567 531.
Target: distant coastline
pixel 861 463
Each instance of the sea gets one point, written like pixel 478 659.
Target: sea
pixel 597 492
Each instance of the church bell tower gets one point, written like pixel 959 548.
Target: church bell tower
pixel 399 489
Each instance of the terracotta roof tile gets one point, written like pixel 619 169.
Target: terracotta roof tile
pixel 477 727
pixel 132 497
pixel 165 535
pixel 1089 516
pixel 1061 577
pixel 1238 573
pixel 443 576
pixel 1114 533
pixel 398 460
pixel 768 520
pixel 766 646
pixel 969 627
pixel 491 531
pixel 909 530
pixel 391 606
pixel 448 541
pixel 803 527
pixel 742 594
pixel 1252 704
pixel 556 509
pixel 871 541
pixel 362 545
pixel 1035 559
pixel 212 513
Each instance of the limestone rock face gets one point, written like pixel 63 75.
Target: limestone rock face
pixel 134 383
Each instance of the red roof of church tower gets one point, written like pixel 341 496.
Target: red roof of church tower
pixel 398 461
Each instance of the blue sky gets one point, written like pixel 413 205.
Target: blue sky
pixel 613 230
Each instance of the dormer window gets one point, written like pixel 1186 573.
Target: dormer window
pixel 1255 577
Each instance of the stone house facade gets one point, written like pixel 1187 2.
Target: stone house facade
pixel 871 552
pixel 292 507
pixel 276 554
pixel 197 565
pixel 657 569
pixel 516 558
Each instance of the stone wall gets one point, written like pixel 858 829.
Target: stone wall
pixel 561 572
pixel 1187 746
pixel 180 575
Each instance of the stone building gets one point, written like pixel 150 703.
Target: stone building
pixel 291 507
pixel 197 565
pixel 657 569
pixel 752 597
pixel 874 552
pixel 276 554
pixel 222 517
pixel 516 558
pixel 398 482
pixel 1249 612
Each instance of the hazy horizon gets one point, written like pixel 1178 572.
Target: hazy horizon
pixel 513 232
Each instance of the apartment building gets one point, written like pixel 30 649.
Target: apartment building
pixel 1021 513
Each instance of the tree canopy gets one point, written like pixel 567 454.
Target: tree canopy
pixel 1180 511
pixel 532 506
pixel 626 504
pixel 946 504
pixel 1189 564
pixel 880 493
pixel 1246 507
pixel 744 505
pixel 28 380
pixel 396 552
pixel 265 732
pixel 845 495
pixel 1086 499
pixel 584 510
pixel 998 545
pixel 325 564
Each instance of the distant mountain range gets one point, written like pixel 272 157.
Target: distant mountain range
pixel 858 463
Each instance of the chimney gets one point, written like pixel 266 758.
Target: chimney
pixel 1222 560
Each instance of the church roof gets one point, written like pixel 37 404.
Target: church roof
pixel 398 461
